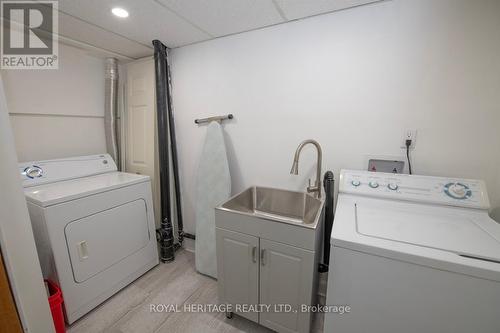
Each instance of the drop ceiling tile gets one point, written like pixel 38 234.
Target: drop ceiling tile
pixel 224 17
pixel 295 9
pixel 148 20
pixel 81 31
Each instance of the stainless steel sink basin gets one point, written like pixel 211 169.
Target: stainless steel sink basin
pixel 277 205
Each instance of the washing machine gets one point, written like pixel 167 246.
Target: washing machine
pixel 93 226
pixel 413 254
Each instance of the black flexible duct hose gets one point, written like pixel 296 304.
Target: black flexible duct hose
pixel 173 147
pixel 329 185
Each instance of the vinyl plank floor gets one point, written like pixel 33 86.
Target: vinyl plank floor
pixel 109 312
pixel 207 322
pixel 178 283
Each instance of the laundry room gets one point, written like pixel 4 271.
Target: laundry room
pixel 250 166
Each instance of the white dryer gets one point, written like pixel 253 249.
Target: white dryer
pixel 93 226
pixel 413 254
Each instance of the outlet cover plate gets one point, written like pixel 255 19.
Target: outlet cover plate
pixel 409 134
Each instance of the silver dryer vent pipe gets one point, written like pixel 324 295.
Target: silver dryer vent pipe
pixel 111 129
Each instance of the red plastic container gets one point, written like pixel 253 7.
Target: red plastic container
pixel 55 302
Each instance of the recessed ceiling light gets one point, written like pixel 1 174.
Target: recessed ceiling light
pixel 120 12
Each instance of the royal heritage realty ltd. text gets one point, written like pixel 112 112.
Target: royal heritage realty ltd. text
pixel 246 308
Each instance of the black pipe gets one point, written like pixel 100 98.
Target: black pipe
pixel 173 147
pixel 329 185
pixel 190 236
pixel 164 233
pixel 165 237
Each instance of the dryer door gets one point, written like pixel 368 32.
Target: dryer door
pixel 101 240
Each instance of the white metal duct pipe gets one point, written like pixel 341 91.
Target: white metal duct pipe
pixel 111 110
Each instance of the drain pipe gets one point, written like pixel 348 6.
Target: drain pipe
pixel 167 153
pixel 111 109
pixel 165 237
pixel 164 234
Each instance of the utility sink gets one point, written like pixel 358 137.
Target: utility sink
pixel 268 244
pixel 278 205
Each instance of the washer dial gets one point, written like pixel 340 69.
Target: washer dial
pixel 457 191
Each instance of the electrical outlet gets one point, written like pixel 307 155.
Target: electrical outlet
pixel 409 134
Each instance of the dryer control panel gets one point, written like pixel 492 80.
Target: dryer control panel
pixel 437 190
pixel 50 171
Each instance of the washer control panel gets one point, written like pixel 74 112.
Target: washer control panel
pixel 437 190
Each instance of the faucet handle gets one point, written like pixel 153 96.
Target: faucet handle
pixel 310 188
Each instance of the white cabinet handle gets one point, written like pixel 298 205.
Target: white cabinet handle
pixel 254 254
pixel 83 251
pixel 262 257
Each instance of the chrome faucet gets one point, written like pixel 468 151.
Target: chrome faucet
pixel 295 166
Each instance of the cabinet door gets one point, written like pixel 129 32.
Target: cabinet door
pixel 286 277
pixel 238 270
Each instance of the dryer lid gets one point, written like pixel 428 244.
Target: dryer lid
pixel 58 192
pixel 456 231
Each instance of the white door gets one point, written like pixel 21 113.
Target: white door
pixel 286 277
pixel 238 270
pixel 140 115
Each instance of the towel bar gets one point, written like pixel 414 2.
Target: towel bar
pixel 214 118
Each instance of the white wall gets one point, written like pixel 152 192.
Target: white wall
pixel 16 237
pixel 354 80
pixel 58 113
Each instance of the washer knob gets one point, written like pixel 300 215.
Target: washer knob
pixel 373 184
pixel 355 183
pixel 392 186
